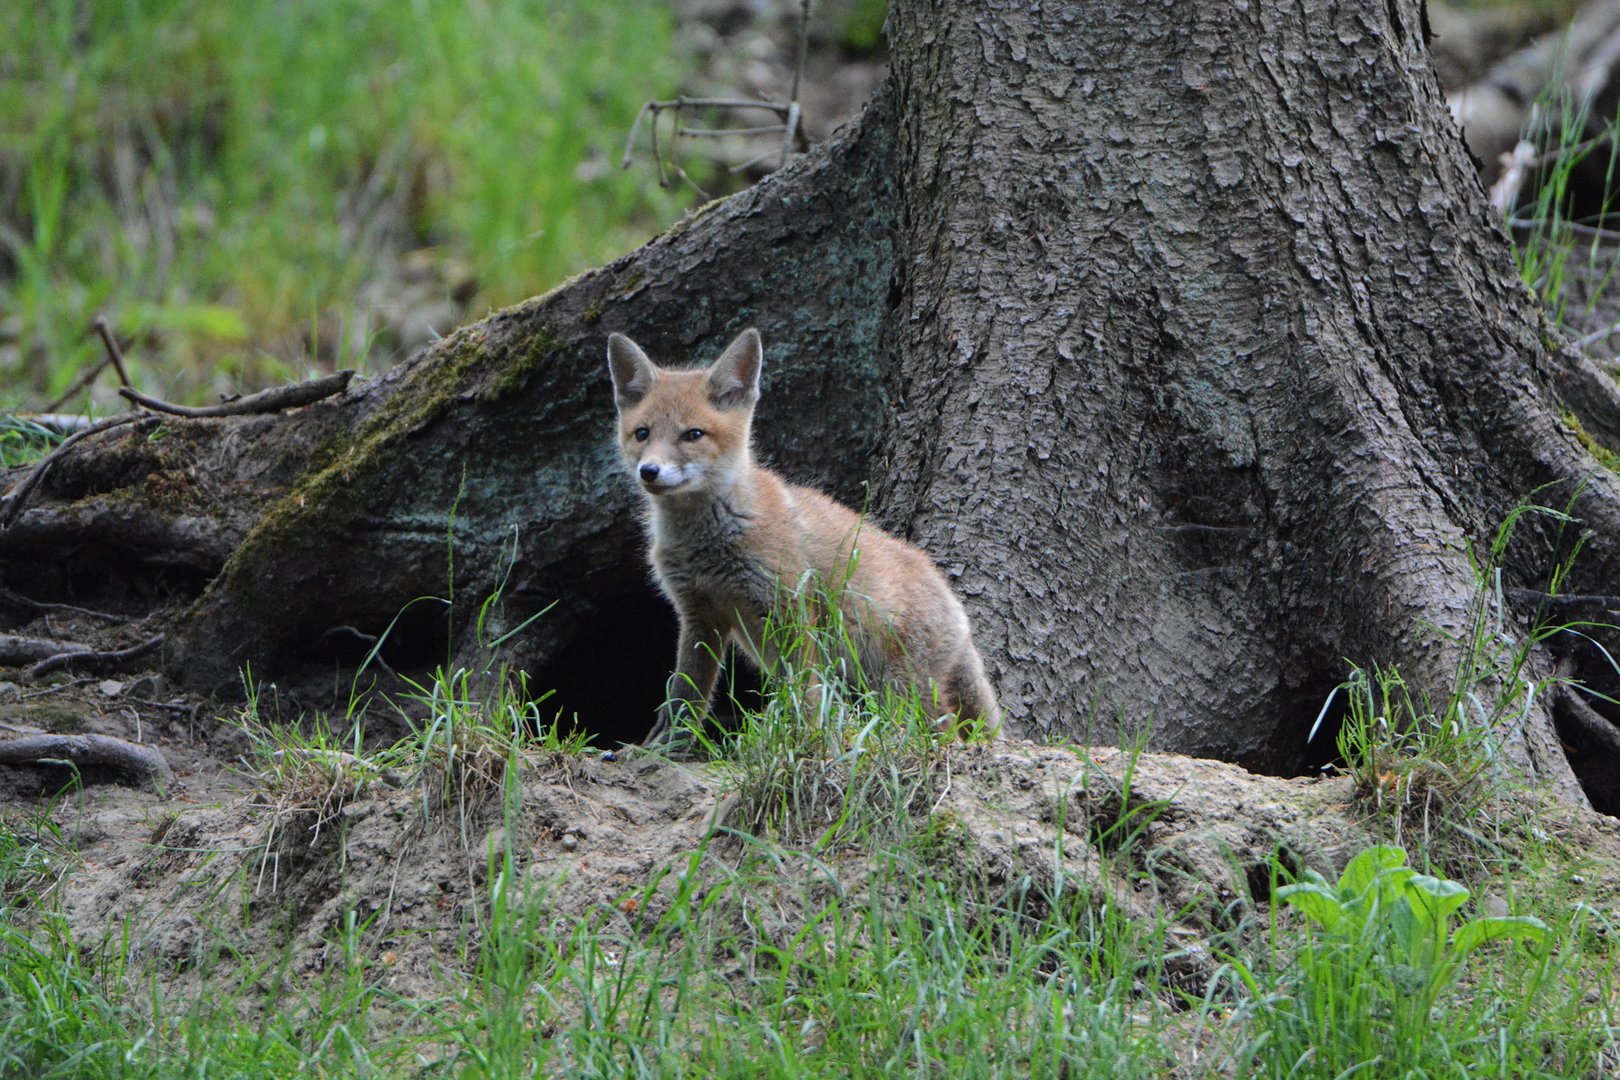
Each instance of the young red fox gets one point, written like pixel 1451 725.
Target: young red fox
pixel 731 541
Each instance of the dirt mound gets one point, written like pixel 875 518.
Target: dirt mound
pixel 222 864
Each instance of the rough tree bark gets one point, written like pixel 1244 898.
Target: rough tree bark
pixel 1180 333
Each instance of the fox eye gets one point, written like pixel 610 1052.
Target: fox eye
pixel 691 434
pixel 641 434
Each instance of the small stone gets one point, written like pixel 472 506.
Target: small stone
pixel 569 841
pixel 110 687
pixel 148 686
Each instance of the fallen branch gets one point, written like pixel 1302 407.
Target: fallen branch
pixel 81 751
pixel 11 505
pixel 85 661
pixel 265 401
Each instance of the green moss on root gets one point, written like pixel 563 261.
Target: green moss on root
pixel 1606 457
pixel 332 490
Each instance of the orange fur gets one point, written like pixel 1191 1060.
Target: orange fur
pixel 731 541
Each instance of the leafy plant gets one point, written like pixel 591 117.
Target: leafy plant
pixel 1384 910
pixel 1367 984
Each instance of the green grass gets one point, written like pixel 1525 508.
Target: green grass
pixel 1564 239
pixel 1431 769
pixel 831 921
pixel 223 180
pixel 828 926
pixel 23 441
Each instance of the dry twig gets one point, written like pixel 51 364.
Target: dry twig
pixel 273 400
pixel 791 129
pixel 28 603
pixel 114 355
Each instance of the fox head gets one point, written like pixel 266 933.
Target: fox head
pixel 686 432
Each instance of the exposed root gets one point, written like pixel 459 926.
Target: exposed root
pixel 14 501
pixel 146 534
pixel 80 660
pixel 21 650
pixel 1593 743
pixel 144 763
pixel 1591 393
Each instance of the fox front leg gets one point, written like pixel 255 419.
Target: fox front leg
pixel 697 669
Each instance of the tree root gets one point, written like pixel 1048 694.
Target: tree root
pixel 145 535
pixel 145 763
pixel 15 650
pixel 1590 392
pixel 80 660
pixel 1593 744
pixel 12 503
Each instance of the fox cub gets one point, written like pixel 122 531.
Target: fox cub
pixel 731 541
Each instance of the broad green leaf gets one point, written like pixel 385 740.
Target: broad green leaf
pixel 1410 933
pixel 1434 899
pixel 1364 869
pixel 1476 932
pixel 1391 884
pixel 1311 877
pixel 1316 902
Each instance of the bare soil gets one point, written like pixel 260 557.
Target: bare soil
pixel 220 865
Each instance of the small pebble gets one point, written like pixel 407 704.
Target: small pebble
pixel 570 841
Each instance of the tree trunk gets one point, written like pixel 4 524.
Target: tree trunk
pixel 1180 334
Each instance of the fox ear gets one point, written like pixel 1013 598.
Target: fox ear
pixel 633 374
pixel 733 380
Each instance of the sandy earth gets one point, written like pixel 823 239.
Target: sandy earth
pixel 220 854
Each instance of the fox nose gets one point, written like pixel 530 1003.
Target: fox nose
pixel 649 471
